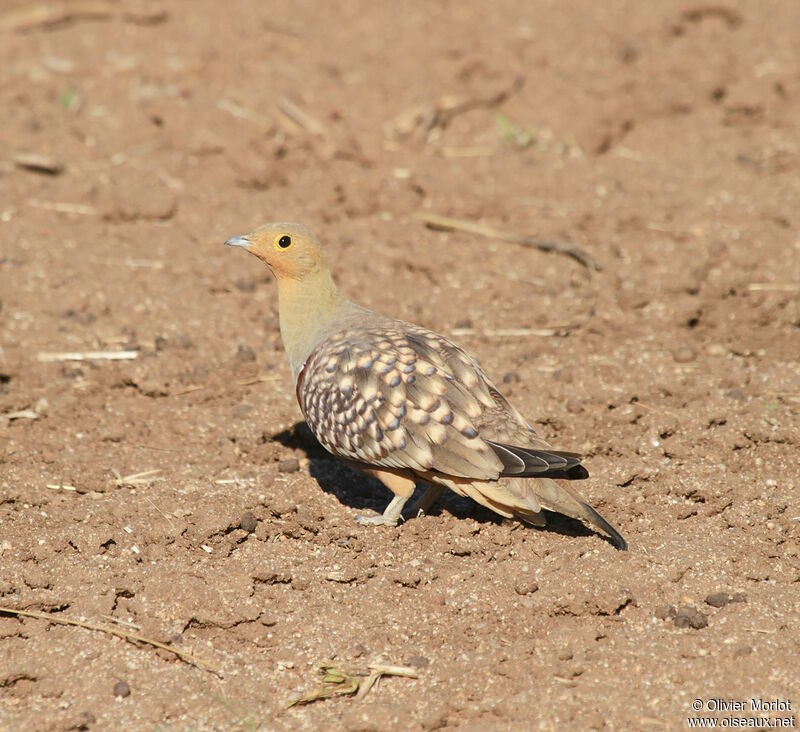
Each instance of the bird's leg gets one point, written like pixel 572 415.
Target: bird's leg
pixel 403 489
pixel 428 498
pixel 389 517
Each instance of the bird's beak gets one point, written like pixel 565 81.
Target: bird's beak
pixel 238 241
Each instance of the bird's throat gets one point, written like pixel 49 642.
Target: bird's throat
pixel 306 307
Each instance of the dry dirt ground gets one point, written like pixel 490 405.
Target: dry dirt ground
pixel 662 138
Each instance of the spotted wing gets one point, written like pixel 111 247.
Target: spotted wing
pixel 399 396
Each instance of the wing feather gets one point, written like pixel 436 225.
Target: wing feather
pixel 393 394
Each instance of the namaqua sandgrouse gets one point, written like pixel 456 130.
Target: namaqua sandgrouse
pixel 405 404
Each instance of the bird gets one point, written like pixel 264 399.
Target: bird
pixel 405 404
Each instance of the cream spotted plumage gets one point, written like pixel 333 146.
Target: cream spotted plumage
pixel 404 403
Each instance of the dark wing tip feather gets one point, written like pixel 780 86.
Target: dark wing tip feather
pixel 524 462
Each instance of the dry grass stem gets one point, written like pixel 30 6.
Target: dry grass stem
pixel 773 287
pixel 240 112
pixel 21 414
pixel 338 681
pixel 37 163
pixel 301 118
pixel 63 207
pixel 126 635
pixel 510 332
pixel 45 357
pixel 145 478
pixel 52 14
pixel 408 671
pixel 119 621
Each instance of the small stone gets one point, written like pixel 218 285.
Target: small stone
pixel 290 465
pixel 300 583
pixel 242 410
pixel 663 612
pixel 418 662
pixel 736 394
pixel 684 354
pixel 182 341
pixel 245 285
pixel 526 587
pixel 574 406
pixel 342 577
pixel 406 577
pixel 37 163
pixel 565 654
pixel 245 354
pixel 721 599
pixel 742 649
pixel 248 522
pixel 690 617
pixel 280 505
pixel 122 689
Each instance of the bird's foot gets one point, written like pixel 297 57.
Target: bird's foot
pixel 389 517
pixel 377 520
pixel 423 505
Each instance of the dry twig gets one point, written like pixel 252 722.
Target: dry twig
pixel 145 478
pixel 445 223
pixel 301 118
pixel 124 634
pixel 87 356
pixel 337 681
pixel 773 287
pixel 38 163
pixel 64 207
pixel 429 118
pixel 20 414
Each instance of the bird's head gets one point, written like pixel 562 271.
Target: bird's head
pixel 290 250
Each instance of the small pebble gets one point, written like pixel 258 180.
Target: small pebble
pixel 36 163
pixel 122 689
pixel 245 354
pixel 290 465
pixel 418 662
pixel 665 611
pixel 742 649
pixel 248 522
pixel 526 588
pixel 721 599
pixel 245 285
pixel 684 354
pixel 565 654
pixel 242 410
pixel 690 617
pixel 300 583
pixel 574 406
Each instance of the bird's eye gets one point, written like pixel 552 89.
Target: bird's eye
pixel 285 242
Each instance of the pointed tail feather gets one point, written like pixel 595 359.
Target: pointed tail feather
pixel 564 500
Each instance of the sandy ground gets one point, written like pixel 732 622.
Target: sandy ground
pixel 174 495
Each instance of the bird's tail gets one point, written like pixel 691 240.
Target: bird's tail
pixel 524 498
pixel 566 500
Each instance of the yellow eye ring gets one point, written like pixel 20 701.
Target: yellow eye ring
pixel 283 242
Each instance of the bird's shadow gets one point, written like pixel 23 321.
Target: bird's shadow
pixel 360 491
